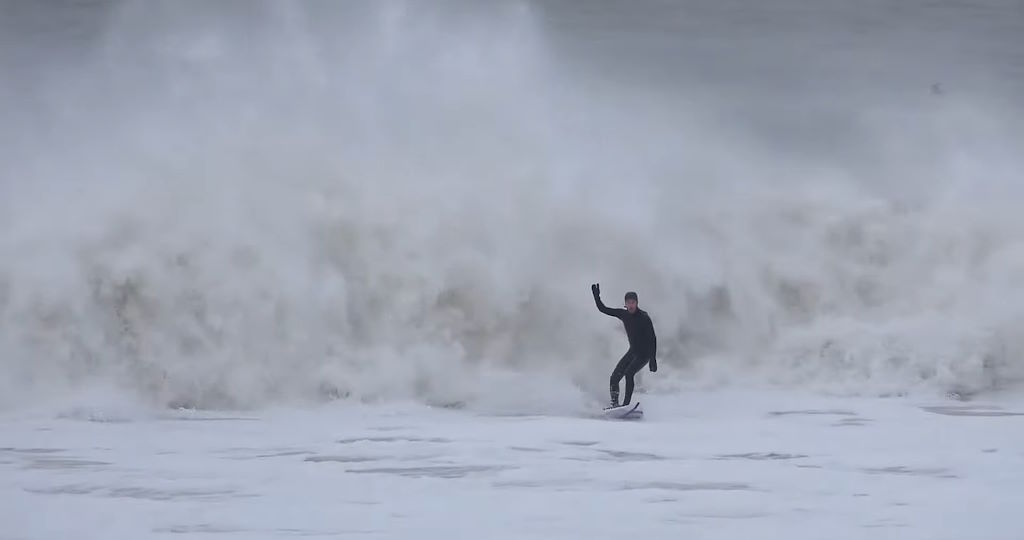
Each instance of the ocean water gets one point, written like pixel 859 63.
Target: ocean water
pixel 357 239
pixel 709 464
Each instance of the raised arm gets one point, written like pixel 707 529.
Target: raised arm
pixel 612 312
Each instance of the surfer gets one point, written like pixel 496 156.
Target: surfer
pixel 643 343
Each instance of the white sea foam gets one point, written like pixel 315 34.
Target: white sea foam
pixel 410 201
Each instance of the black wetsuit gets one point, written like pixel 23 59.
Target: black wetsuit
pixel 643 347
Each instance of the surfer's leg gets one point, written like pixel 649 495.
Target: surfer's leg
pixel 617 374
pixel 634 366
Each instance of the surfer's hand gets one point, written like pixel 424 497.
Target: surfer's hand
pixel 654 365
pixel 596 289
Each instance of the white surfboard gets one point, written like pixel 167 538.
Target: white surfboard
pixel 633 411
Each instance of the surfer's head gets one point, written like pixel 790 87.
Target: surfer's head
pixel 631 302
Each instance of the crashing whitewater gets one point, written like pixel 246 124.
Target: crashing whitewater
pixel 416 211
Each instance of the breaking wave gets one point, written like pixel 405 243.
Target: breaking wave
pixel 407 202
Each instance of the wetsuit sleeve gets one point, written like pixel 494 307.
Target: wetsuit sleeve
pixel 654 337
pixel 653 345
pixel 612 312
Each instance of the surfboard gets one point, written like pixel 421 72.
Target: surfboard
pixel 633 411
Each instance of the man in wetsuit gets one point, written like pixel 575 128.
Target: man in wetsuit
pixel 643 343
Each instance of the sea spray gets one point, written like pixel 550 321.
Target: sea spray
pixel 410 202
